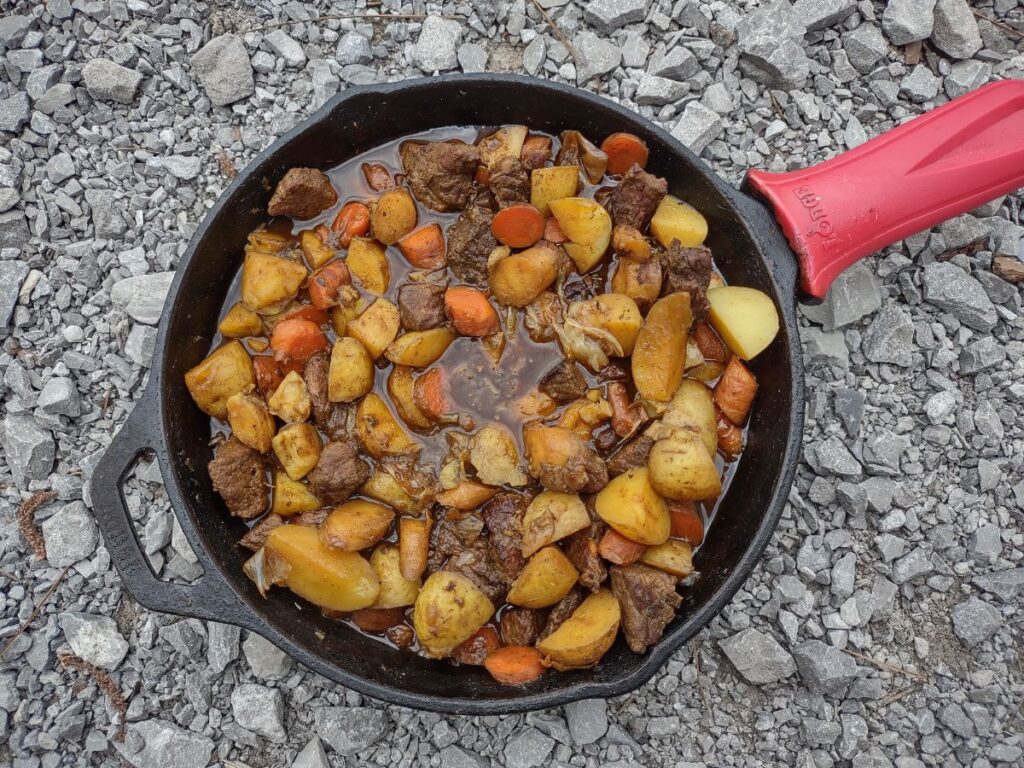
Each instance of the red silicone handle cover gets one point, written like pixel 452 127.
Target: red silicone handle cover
pixel 927 170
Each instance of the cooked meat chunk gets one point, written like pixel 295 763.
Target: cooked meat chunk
pixel 636 198
pixel 401 635
pixel 521 626
pixel 630 456
pixel 562 610
pixel 688 269
pixel 449 537
pixel 582 288
pixel 563 383
pixel 421 306
pixel 479 563
pixel 315 375
pixel 314 518
pixel 510 183
pixel 536 152
pixel 238 475
pixel 503 519
pixel 302 194
pixel 256 536
pixel 477 647
pixel 336 425
pixel 648 600
pixel 470 242
pixel 581 549
pixel 339 473
pixel 583 472
pixel 441 173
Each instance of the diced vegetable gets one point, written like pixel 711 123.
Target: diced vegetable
pixel 616 548
pixel 515 664
pixel 396 591
pixel 296 339
pixel 377 619
pixel 290 401
pixel 270 282
pixel 554 183
pixel 394 216
pixel 676 220
pixel 267 374
pixel 630 242
pixel 544 580
pixel 356 525
pixel 631 505
pixel 424 247
pixel 735 391
pixel 250 421
pixel 585 636
pixel 493 452
pixel 681 468
pixel 418 349
pixel 624 150
pixel 519 278
pixel 470 311
pixel 226 372
pixel 297 447
pixel 382 486
pixel 379 432
pixel 239 322
pixel 587 225
pixel 401 388
pixel 660 352
pixel 674 556
pixel 430 395
pixel 477 647
pixel 690 410
pixel 326 282
pixel 745 318
pixel 368 263
pixel 730 437
pixel 413 547
pixel 291 497
pixel 448 610
pixel 353 220
pixel 710 345
pixel 351 373
pixel 317 252
pixel 468 494
pixel 615 313
pixel 507 141
pixel 552 516
pixel 377 327
pixel 687 523
pixel 518 225
pixel 640 280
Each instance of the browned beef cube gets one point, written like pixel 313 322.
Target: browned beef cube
pixel 630 456
pixel 256 536
pixel 689 270
pixel 510 182
pixel 440 173
pixel 503 518
pixel 563 383
pixel 636 198
pixel 521 626
pixel 581 549
pixel 562 610
pixel 583 472
pixel 239 476
pixel 421 306
pixel 302 194
pixel 648 601
pixel 470 242
pixel 339 473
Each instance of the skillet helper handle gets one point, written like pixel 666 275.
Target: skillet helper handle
pixel 927 170
pixel 210 598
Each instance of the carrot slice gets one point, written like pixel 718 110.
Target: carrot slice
pixel 378 177
pixel 478 646
pixel 353 220
pixel 552 232
pixel 515 664
pixel 377 619
pixel 430 394
pixel 709 343
pixel 413 546
pixel 424 247
pixel 520 225
pixel 735 391
pixel 326 282
pixel 687 524
pixel 470 311
pixel 616 548
pixel 623 150
pixel 297 340
pixel 627 416
pixel 730 437
pixel 268 375
pixel 316 315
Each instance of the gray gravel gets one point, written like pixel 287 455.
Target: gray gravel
pixel 881 629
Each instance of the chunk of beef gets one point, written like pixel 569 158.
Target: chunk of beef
pixel 479 563
pixel 302 194
pixel 238 475
pixel 563 383
pixel 630 456
pixel 576 149
pixel 449 537
pixel 510 183
pixel 314 518
pixel 401 635
pixel 636 198
pixel 256 536
pixel 339 473
pixel 536 152
pixel 583 472
pixel 648 600
pixel 336 426
pixel 522 626
pixel 477 647
pixel 503 518
pixel 440 173
pixel 688 269
pixel 581 549
pixel 470 242
pixel 421 306
pixel 562 610
pixel 315 375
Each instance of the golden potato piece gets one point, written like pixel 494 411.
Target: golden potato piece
pixel 691 410
pixel 552 516
pixel 251 422
pixel 449 608
pixel 674 556
pixel 615 313
pixel 518 279
pixel 745 318
pixel 270 282
pixel 493 452
pixel 378 431
pixel 383 487
pixel 297 447
pixel 350 375
pixel 240 321
pixel 587 225
pixel 356 525
pixel 467 495
pixel 630 505
pixel 507 141
pixel 340 581
pixel 545 579
pixel 290 400
pixel 376 327
pixel 554 183
pixel 291 497
pixel 314 249
pixel 352 306
pixel 640 280
pixel 400 384
pixel 676 220
pixel 682 469
pixel 393 216
pixel 226 372
pixel 368 264
pixel 418 349
pixel 396 591
pixel 585 636
pixel 659 355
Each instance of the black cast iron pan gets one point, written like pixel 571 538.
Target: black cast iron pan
pixel 749 247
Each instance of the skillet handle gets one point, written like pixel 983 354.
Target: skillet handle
pixel 909 179
pixel 211 598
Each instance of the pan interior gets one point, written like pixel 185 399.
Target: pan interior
pixel 357 123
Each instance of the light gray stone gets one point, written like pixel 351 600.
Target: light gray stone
pixel 141 344
pixel 600 56
pixel 718 99
pixel 656 91
pixel 1006 585
pixel 60 167
pixel 267 661
pixel 940 406
pixel 106 219
pixel 162 744
pixel 677 63
pixel 472 57
pixel 916 563
pixel 962 231
pixel 956 30
pixel 587 720
pixel 843 573
pixel 14 112
pixel 94 639
pixel 222 645
pixel 143 296
pixel 435 50
pixel 60 396
pixel 975 621
pixel 907 21
pixel 966 76
pixel 890 337
pixel 527 748
pixel 864 47
pixel 353 48
pixel 29 449
pixel 920 85
pixel 12 275
pixel 108 81
pixel 13 28
pixel 824 668
pixel 70 535
pixel 822 14
pixel 535 53
pixel 260 710
pixel 224 70
pixel 179 166
pixel 855 294
pixel 314 756
pixel 457 757
pixel 606 16
pixel 981 355
pixel 951 289
pixel 758 657
pixel 286 47
pixel 697 127
pixel 832 456
pixel 348 730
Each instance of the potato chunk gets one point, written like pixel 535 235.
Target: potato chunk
pixel 377 327
pixel 317 253
pixel 552 516
pixel 587 225
pixel 659 356
pixel 350 375
pixel 290 400
pixel 674 556
pixel 631 505
pixel 368 264
pixel 396 591
pixel 614 313
pixel 239 322
pixel 449 608
pixel 356 525
pixel 493 452
pixel 297 447
pixel 393 216
pixel 383 487
pixel 270 282
pixel 640 280
pixel 586 635
pixel 519 278
pixel 226 372
pixel 554 183
pixel 251 422
pixel 507 141
pixel 676 220
pixel 340 581
pixel 418 349
pixel 291 497
pixel 545 579
pixel 745 318
pixel 379 432
pixel 690 410
pixel 681 468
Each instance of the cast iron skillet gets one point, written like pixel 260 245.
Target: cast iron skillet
pixel 748 245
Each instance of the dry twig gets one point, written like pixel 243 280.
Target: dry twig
pixel 27 523
pixel 887 666
pixel 226 166
pixel 1005 27
pixel 105 683
pixel 897 695
pixel 557 30
pixel 35 611
pixel 341 16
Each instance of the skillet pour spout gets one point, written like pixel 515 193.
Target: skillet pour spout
pixel 749 247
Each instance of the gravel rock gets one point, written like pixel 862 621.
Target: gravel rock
pixel 950 288
pixel 537 51
pixel 940 406
pixel 286 47
pixel 260 710
pixel 600 56
pixel 906 21
pixel 456 757
pixel 677 63
pixel 966 76
pixel 472 57
pixel 698 127
pixel 267 661
pixel 162 744
pixel 141 344
pixel 956 30
pixel 864 47
pixel 587 720
pixel 833 457
pixel 823 668
pixel 12 275
pixel 855 294
pixel 109 81
pixel 224 70
pixel 348 730
pixel 822 14
pixel 981 355
pixel 975 621
pixel 916 563
pixel 758 657
pixel 94 639
pixel 13 28
pixel 770 44
pixel 656 91
pixel 60 396
pixel 29 449
pixel 14 112
pixel 890 337
pixel 314 756
pixel 143 297
pixel 435 50
pixel 527 748
pixel 179 166
pixel 70 535
pixel 609 15
pixel 353 48
pixel 222 645
pixel 920 85
pixel 1006 585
